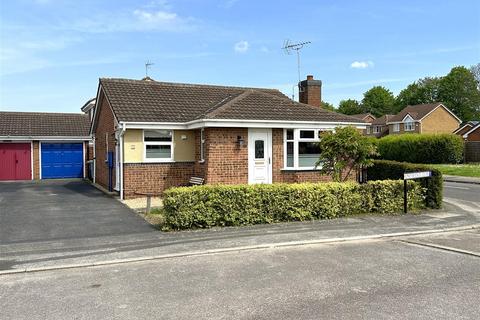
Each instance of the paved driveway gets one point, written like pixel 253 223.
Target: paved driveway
pixel 62 209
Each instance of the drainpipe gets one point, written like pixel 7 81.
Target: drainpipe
pixel 94 159
pixel 121 161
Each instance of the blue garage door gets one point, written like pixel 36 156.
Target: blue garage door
pixel 62 160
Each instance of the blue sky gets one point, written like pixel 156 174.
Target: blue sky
pixel 53 51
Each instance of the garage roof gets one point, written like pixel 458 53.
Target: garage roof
pixel 46 124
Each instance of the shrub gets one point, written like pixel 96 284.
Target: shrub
pixel 218 205
pixel 384 169
pixel 422 148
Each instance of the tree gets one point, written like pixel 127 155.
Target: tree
pixel 378 101
pixel 422 91
pixel 458 90
pixel 475 70
pixel 350 106
pixel 328 106
pixel 343 150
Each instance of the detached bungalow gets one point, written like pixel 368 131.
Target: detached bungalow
pixel 149 135
pixel 424 118
pixel 35 145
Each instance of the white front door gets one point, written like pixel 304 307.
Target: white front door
pixel 259 155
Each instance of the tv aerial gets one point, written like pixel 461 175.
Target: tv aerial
pixel 148 64
pixel 289 46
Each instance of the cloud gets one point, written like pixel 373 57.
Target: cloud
pixel 264 49
pixel 241 46
pixel 361 64
pixel 228 4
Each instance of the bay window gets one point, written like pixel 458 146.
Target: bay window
pixel 158 145
pixel 301 147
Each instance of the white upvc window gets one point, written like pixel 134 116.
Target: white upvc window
pixel 158 145
pixel 377 129
pixel 368 129
pixel 396 127
pixel 408 123
pixel 202 145
pixel 301 148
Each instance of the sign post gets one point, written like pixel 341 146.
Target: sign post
pixel 411 176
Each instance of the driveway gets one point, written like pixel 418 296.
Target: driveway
pixel 37 211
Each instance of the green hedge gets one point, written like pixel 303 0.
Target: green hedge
pixel 384 170
pixel 216 205
pixel 422 148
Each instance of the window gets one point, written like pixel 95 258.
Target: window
pixel 202 145
pixel 409 125
pixel 368 130
pixel 259 149
pixel 377 129
pixel 158 145
pixel 396 127
pixel 301 148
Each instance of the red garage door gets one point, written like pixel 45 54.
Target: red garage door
pixel 15 161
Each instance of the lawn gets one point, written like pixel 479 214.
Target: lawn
pixel 465 170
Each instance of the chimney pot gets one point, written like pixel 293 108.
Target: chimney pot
pixel 309 77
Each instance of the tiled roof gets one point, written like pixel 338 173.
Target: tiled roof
pixel 153 101
pixel 383 119
pixel 362 115
pixel 43 124
pixel 417 112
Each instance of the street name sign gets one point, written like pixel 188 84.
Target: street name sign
pixel 417 175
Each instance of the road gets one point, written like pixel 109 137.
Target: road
pixel 394 279
pixel 435 276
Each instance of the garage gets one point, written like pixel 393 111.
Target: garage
pixel 61 160
pixel 15 161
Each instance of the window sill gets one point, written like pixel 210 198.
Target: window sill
pixel 300 169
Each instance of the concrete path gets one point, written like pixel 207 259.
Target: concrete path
pixel 460 179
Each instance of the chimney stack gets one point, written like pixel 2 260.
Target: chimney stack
pixel 310 91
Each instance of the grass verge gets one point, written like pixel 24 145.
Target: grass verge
pixel 464 170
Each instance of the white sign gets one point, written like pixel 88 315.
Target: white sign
pixel 416 175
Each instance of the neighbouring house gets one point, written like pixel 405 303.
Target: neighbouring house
pixel 366 117
pixel 470 132
pixel 424 118
pixel 378 127
pixel 465 127
pixel 149 135
pixel 473 134
pixel 36 145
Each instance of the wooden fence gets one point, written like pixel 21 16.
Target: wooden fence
pixel 472 151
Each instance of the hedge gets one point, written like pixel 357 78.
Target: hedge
pixel 385 169
pixel 421 148
pixel 220 205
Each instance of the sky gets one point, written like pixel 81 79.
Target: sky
pixel 52 52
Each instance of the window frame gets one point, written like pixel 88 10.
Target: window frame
pixel 157 143
pixel 202 145
pixel 377 129
pixel 296 139
pixel 396 127
pixel 408 120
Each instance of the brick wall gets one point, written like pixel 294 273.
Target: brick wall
pixel 105 130
pixel 474 136
pixel 155 177
pixel 226 161
pixel 36 160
